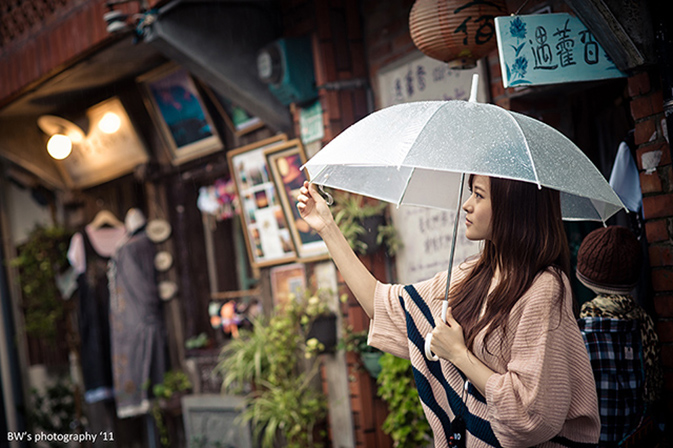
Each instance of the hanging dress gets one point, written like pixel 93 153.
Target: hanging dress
pixel 137 325
pixel 94 327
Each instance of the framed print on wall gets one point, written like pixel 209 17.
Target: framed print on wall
pixel 266 230
pixel 235 117
pixel 285 163
pixel 287 280
pixel 178 111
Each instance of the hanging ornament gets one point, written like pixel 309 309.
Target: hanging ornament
pixel 458 32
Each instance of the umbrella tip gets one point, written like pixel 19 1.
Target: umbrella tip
pixel 473 90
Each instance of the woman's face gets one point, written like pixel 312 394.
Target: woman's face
pixel 478 209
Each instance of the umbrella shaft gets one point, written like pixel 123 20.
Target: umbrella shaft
pixel 453 245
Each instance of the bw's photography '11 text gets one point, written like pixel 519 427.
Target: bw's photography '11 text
pixel 56 437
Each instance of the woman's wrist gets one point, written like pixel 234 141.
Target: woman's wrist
pixel 461 358
pixel 330 229
pixel 474 369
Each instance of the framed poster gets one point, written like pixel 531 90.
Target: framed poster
pixel 285 163
pixel 241 120
pixel 286 281
pixel 178 111
pixel 266 230
pixel 237 119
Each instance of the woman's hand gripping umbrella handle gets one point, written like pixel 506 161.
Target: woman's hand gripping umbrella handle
pixel 445 304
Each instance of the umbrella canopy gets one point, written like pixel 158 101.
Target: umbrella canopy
pixel 414 153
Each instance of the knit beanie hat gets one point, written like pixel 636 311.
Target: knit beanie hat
pixel 609 260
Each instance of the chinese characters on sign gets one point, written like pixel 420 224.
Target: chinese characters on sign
pixel 425 232
pixel 425 79
pixel 427 242
pixel 550 49
pixel 484 32
pixel 310 123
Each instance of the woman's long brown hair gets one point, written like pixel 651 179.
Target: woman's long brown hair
pixel 527 238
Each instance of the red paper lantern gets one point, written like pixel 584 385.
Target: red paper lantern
pixel 455 31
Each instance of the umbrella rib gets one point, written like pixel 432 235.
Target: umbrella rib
pixel 406 186
pixel 530 154
pixel 317 175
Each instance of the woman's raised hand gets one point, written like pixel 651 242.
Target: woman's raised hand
pixel 313 209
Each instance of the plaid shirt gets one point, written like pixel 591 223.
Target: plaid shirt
pixel 615 351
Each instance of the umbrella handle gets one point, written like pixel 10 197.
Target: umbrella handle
pixel 428 353
pixel 428 337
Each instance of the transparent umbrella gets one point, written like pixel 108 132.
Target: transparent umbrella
pixel 419 153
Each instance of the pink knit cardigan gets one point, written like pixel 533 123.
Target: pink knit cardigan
pixel 543 393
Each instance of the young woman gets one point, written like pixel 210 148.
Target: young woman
pixel 513 369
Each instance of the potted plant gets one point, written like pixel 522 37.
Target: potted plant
pixel 40 260
pixel 363 222
pixel 54 410
pixel 245 361
pixel 356 341
pixel 406 423
pixel 319 322
pixel 278 363
pixel 167 400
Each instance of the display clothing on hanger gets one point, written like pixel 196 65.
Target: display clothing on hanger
pixel 89 254
pixel 137 325
pixel 625 179
pixel 625 356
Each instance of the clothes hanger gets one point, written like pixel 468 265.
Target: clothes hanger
pixel 135 220
pixel 105 217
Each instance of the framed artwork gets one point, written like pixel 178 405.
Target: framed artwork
pixel 241 121
pixel 285 163
pixel 266 230
pixel 237 119
pixel 286 281
pixel 178 111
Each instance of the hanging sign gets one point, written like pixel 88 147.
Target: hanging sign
pixel 550 49
pixel 421 78
pixel 310 123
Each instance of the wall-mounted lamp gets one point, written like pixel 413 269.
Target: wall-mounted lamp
pixel 63 134
pixel 110 123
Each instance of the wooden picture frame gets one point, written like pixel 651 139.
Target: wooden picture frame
pixel 286 280
pixel 265 227
pixel 178 111
pixel 236 118
pixel 285 162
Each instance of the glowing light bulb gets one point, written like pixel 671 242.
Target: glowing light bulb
pixel 75 136
pixel 110 123
pixel 59 146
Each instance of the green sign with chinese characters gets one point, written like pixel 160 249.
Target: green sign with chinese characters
pixel 310 123
pixel 550 49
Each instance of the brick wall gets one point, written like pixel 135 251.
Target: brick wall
pixel 336 31
pixel 40 38
pixel 338 52
pixel 657 186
